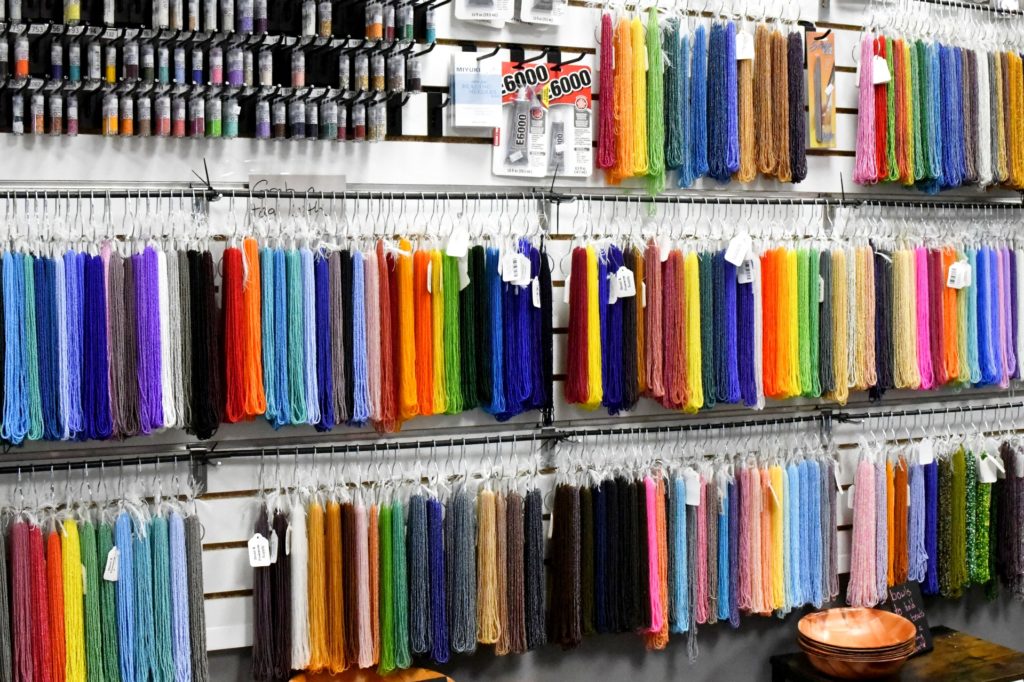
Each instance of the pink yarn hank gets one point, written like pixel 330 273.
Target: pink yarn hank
pixel 924 344
pixel 365 636
pixel 861 589
pixel 701 607
pixel 865 169
pixel 653 556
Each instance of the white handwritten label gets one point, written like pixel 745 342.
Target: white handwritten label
pixel 880 71
pixel 692 481
pixel 112 569
pixel 744 46
pixel 821 289
pixel 625 282
pixel 288 541
pixel 565 290
pixel 850 497
pixel 664 247
pixel 535 292
pixel 259 551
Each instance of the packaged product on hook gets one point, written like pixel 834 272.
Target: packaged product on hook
pixel 414 75
pixel 431 30
pixel 5 59
pixel 227 14
pixel 38 119
pixel 247 60
pixel 266 68
pixel 163 65
pixel 476 92
pixel 359 122
pixel 556 137
pixel 147 61
pixel 110 68
pixel 325 18
pixel 312 120
pixel 378 123
pixel 396 74
pixel 130 55
pixel 110 114
pixel 329 120
pixel 74 61
pixel 144 116
pixel 362 70
pixel 547 12
pixel 244 22
pixel 56 61
pixel 163 116
pixel 377 73
pixel 344 72
pixel 161 14
pixel 56 114
pixel 374 21
pixel 93 67
pixel 485 10
pixel 342 124
pixel 72 115
pixel 197 66
pixel 72 12
pixel 389 22
pixel 308 27
pixel 297 119
pixel 214 121
pixel 177 15
pixel 197 116
pixel 127 116
pixel 192 23
pixel 216 65
pixel 21 57
pixel 261 21
pixel 209 16
pixel 14 11
pixel 178 125
pixel 262 120
pixel 236 72
pixel 279 119
pixel 298 68
pixel 18 114
pixel 231 113
pixel 405 26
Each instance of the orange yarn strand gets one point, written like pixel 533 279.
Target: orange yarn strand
pixel 320 656
pixel 424 334
pixel 255 398
pixel 335 591
pixel 950 319
pixel 374 540
pixel 769 312
pixel 408 396
pixel 55 601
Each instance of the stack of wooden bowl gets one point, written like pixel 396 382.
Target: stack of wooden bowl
pixel 857 643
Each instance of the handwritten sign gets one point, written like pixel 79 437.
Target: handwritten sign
pixel 905 600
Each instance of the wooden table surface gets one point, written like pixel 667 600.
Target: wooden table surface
pixel 956 657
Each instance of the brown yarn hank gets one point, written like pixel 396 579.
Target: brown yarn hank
pixel 765 129
pixel 515 542
pixel 901 561
pixel 780 105
pixel 351 585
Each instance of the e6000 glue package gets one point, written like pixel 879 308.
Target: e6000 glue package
pixel 546 122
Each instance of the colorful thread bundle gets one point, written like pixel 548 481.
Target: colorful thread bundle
pixel 938 116
pixel 98 596
pixel 370 584
pixel 948 519
pixel 100 346
pixel 789 322
pixel 692 101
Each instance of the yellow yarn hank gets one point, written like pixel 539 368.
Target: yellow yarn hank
pixel 488 626
pixel 745 95
pixel 791 379
pixel 623 103
pixel 408 398
pixel 437 308
pixel 595 394
pixel 905 84
pixel 907 374
pixel 335 590
pixel 1016 141
pixel 778 545
pixel 840 302
pixel 74 618
pixel 1002 169
pixel 866 297
pixel 320 657
pixel 639 164
pixel 694 381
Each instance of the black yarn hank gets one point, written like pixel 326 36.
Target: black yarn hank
pixel 565 613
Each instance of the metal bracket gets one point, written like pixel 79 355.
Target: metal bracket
pixel 198 466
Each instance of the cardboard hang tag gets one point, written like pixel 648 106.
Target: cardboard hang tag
pixel 987 472
pixel 259 551
pixel 960 275
pixel 925 452
pixel 458 242
pixel 464 279
pixel 880 71
pixel 745 272
pixel 692 480
pixel 739 248
pixel 535 292
pixel 625 283
pixel 744 46
pixel 430 277
pixel 112 569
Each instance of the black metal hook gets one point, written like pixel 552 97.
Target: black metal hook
pixel 560 63
pixel 496 50
pixel 425 51
pixel 523 62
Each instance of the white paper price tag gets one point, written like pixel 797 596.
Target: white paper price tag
pixel 745 272
pixel 643 294
pixel 430 277
pixel 512 268
pixel 274 542
pixel 566 291
pixel 1018 465
pixel 535 292
pixel 925 452
pixel 987 472
pixel 613 290
pixel 1008 5
pixel 288 541
pixel 739 248
pixel 880 71
pixel 458 242
pixel 463 273
pixel 664 246
pixel 625 283
pixel 850 498
pixel 692 480
pixel 960 275
pixel 259 551
pixel 744 46
pixel 821 289
pixel 112 569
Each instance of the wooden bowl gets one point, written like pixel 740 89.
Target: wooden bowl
pixel 855 670
pixel 811 646
pixel 857 628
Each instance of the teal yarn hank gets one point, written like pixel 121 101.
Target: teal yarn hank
pixel 674 154
pixel 125 598
pixel 144 643
pixel 296 348
pixel 163 660
pixel 399 580
pixel 35 403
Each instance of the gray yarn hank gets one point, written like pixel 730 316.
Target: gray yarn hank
pixel 460 547
pixel 196 600
pixel 533 578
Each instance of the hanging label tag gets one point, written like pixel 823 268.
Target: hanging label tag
pixel 458 242
pixel 524 271
pixel 835 474
pixel 745 272
pixel 739 248
pixel 288 541
pixel 511 268
pixel 880 71
pixel 664 246
pixel 1018 465
pixel 925 452
pixel 643 292
pixel 273 546
pixel 744 46
pixel 959 275
pixel 113 566
pixel 259 551
pixel 565 291
pixel 821 289
pixel 850 498
pixel 986 471
pixel 535 292
pixel 430 277
pixel 1008 5
pixel 775 493
pixel 613 290
pixel 625 282
pixel 692 480
pixel 463 273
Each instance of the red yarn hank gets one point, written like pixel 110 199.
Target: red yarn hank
pixel 388 397
pixel 234 343
pixel 42 652
pixel 577 379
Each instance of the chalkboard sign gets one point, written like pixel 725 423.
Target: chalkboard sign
pixel 905 600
